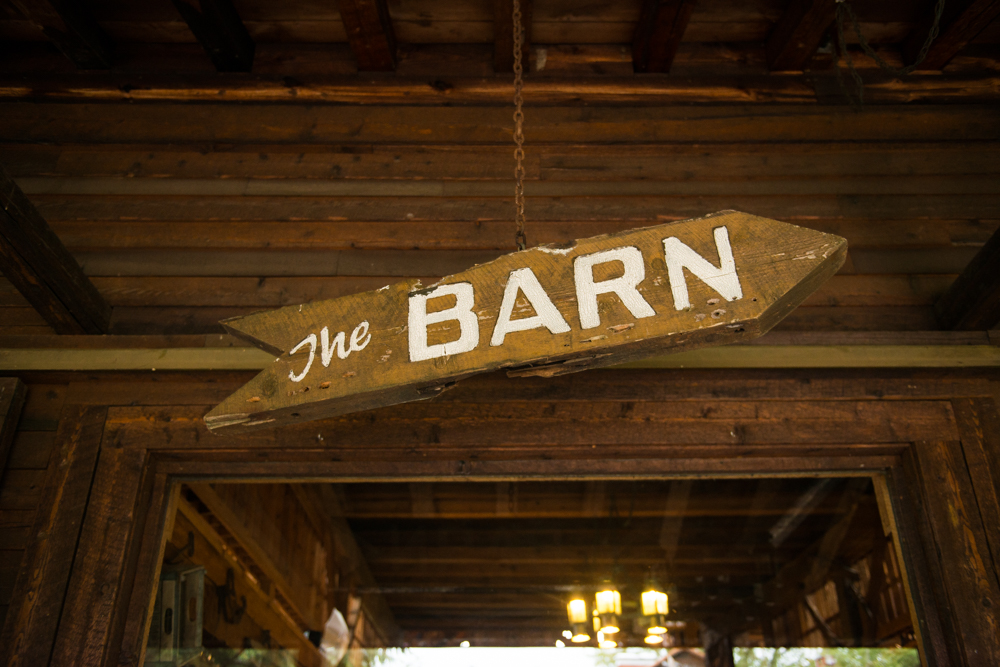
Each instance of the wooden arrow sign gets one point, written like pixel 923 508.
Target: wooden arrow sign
pixel 720 279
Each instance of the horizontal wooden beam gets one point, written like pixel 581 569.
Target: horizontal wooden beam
pixel 219 29
pixel 73 30
pixel 36 262
pixel 798 33
pixel 369 30
pixel 961 22
pixel 755 88
pixel 973 300
pixel 263 608
pixel 658 34
pixel 733 356
pixel 213 124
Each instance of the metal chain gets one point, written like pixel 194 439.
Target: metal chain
pixel 844 9
pixel 519 236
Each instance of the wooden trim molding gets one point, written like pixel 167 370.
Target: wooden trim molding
pixel 732 356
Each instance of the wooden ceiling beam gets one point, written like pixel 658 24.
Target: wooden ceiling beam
pixel 973 300
pixel 70 26
pixel 369 30
pixel 658 34
pixel 12 393
pixel 503 34
pixel 219 29
pixel 43 271
pixel 961 22
pixel 798 33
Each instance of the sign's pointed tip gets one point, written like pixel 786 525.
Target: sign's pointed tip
pixel 243 327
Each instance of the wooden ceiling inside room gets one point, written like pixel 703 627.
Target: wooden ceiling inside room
pixel 190 195
pixel 493 563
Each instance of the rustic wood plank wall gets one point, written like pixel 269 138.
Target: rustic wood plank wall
pixel 186 214
pixel 604 422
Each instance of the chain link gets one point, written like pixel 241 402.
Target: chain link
pixel 519 236
pixel 845 11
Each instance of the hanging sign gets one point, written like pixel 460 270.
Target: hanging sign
pixel 549 310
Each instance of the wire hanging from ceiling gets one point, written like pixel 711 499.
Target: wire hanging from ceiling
pixel 845 12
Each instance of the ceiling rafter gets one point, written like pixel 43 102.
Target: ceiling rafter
pixel 961 22
pixel 798 34
pixel 218 27
pixel 43 271
pixel 370 32
pixel 659 33
pixel 73 30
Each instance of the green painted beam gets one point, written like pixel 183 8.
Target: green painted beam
pixel 733 356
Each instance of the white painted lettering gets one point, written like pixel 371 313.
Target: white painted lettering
pixel 624 286
pixel 419 319
pixel 358 335
pixel 723 279
pixel 546 314
pixel 326 350
pixel 309 340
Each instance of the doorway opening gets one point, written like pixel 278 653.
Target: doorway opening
pixel 404 574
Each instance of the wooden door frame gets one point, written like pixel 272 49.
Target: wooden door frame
pixel 943 532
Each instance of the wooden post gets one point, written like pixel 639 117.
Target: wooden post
pixel 44 272
pixel 29 630
pixel 94 613
pixel 961 594
pixel 12 395
pixel 979 428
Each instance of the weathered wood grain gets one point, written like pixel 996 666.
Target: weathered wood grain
pixel 775 284
pixel 29 630
pixel 260 123
pixel 95 607
pixel 639 209
pixel 157 518
pixel 970 574
pixel 903 510
pixel 979 427
pixel 35 260
pixel 683 162
pixel 658 429
pixel 973 300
